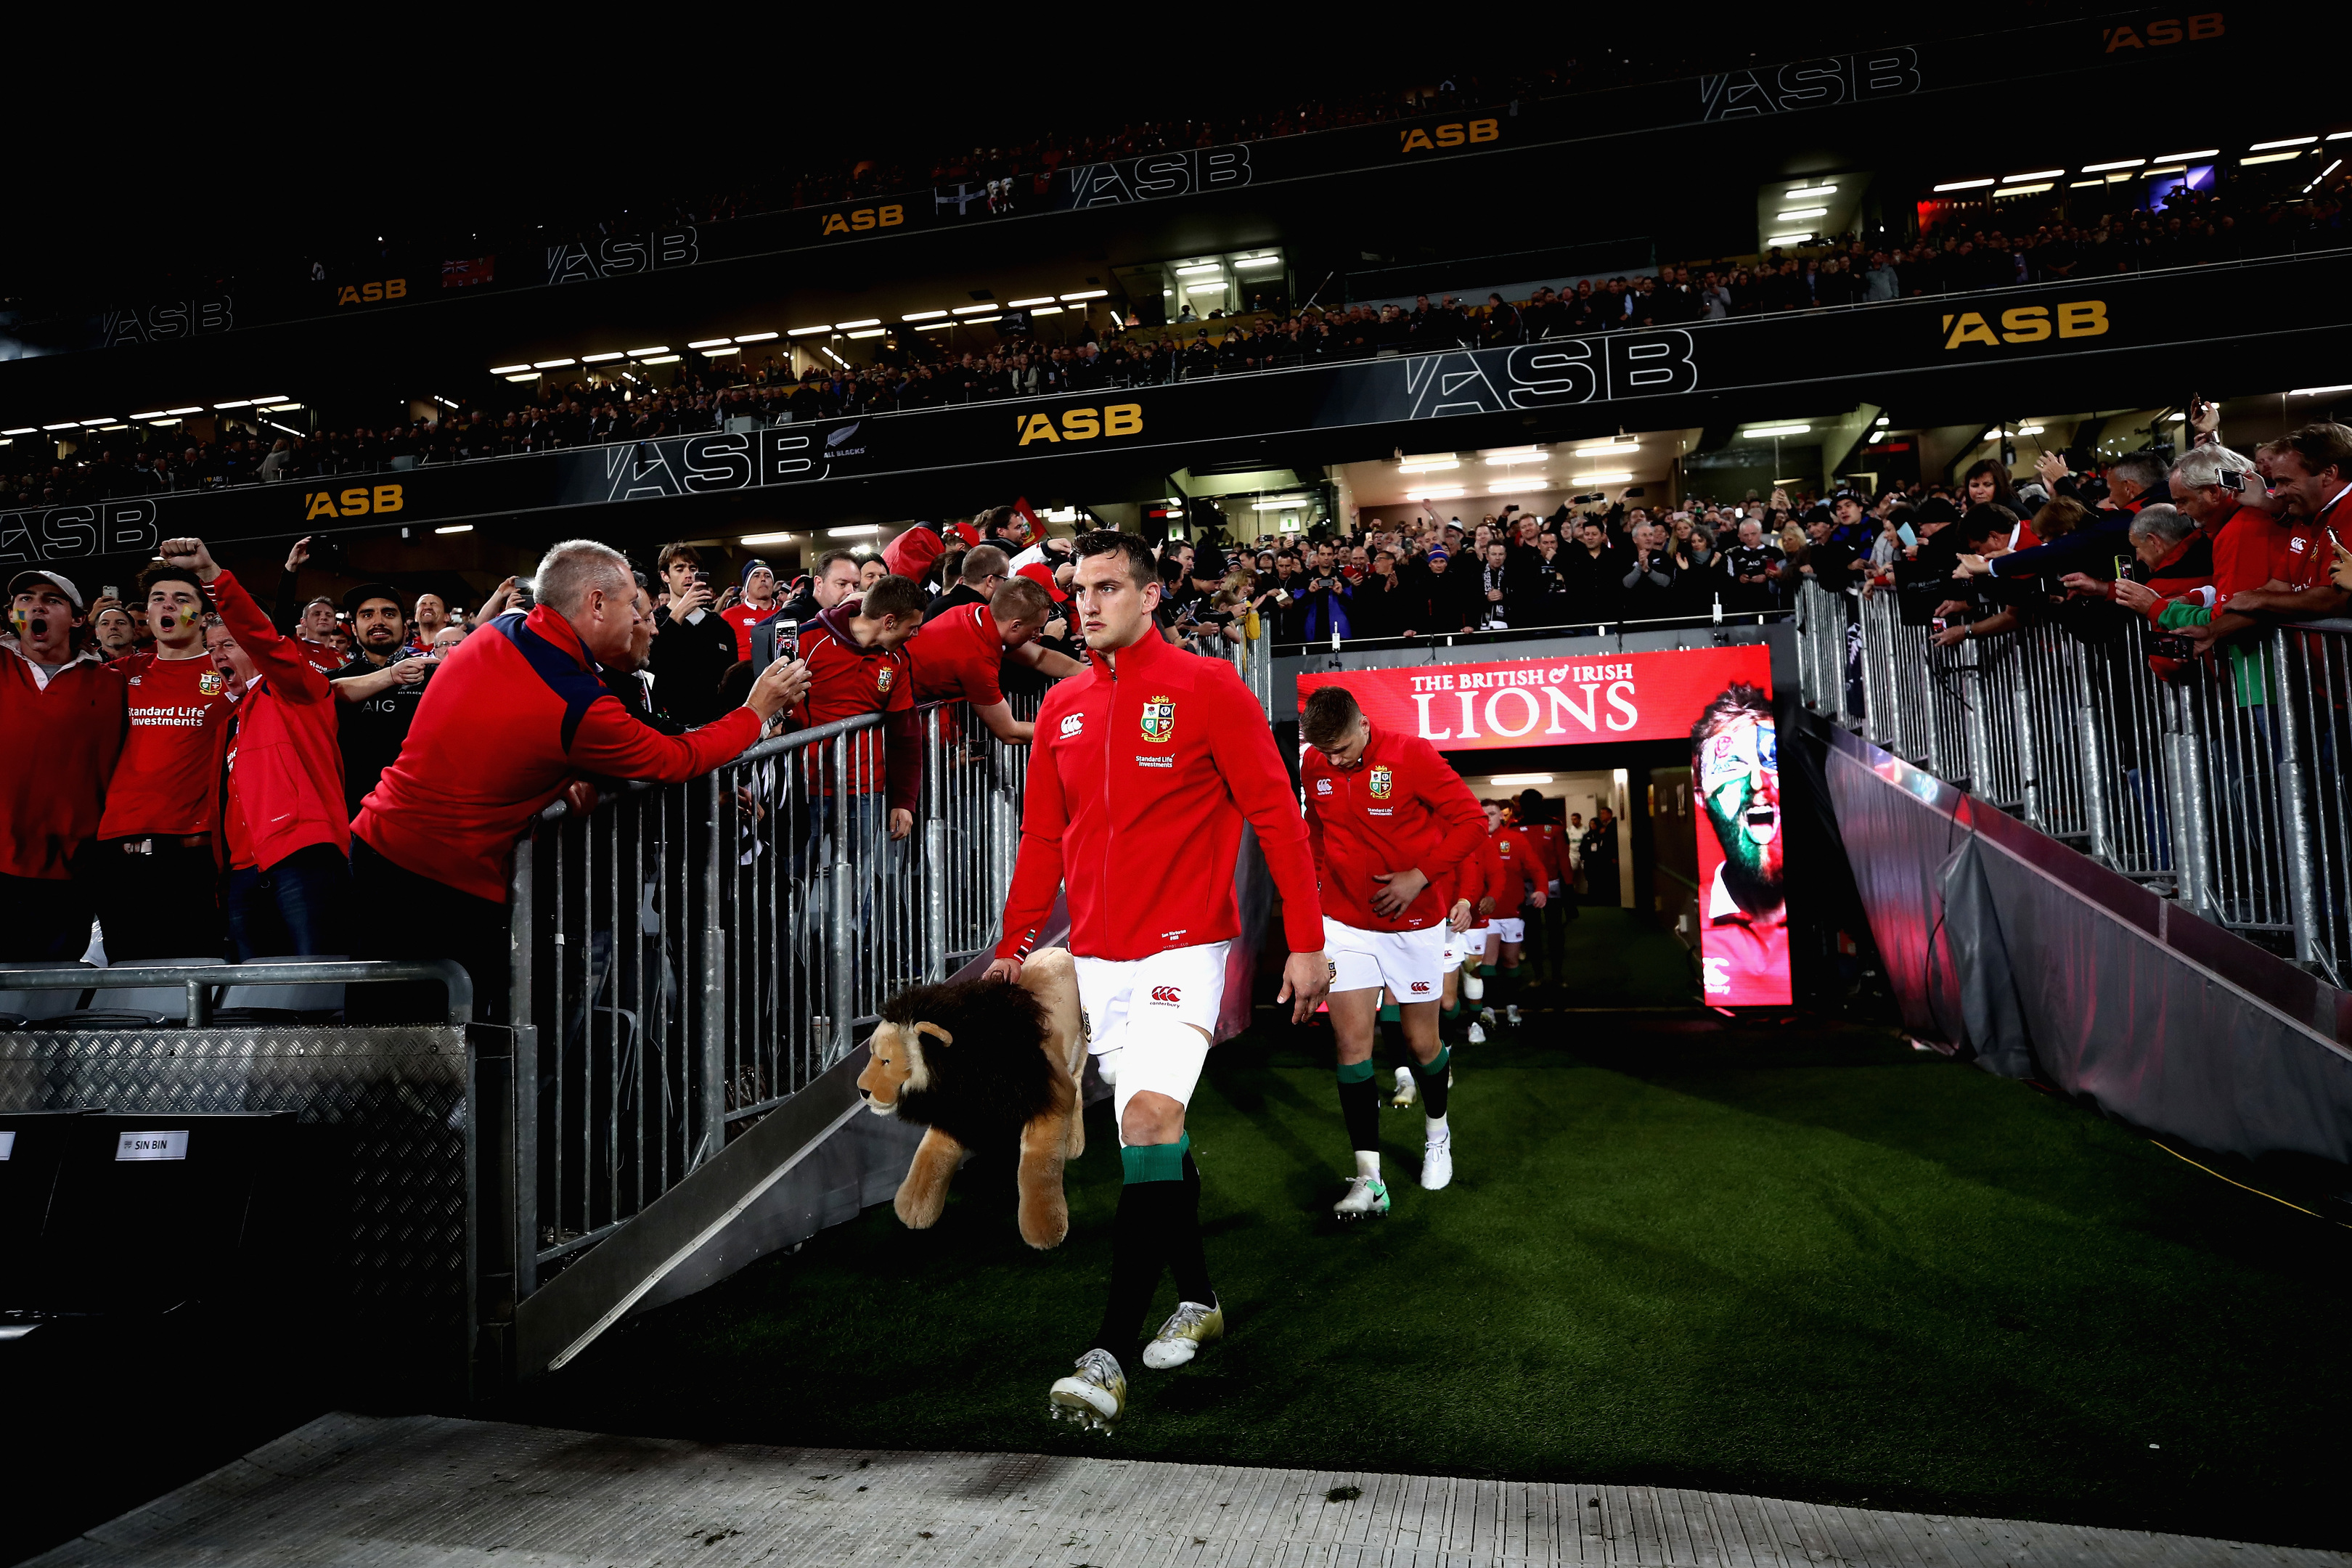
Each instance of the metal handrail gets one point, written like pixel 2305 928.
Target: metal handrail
pixel 201 979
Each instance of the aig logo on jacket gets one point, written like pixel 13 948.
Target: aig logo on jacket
pixel 1160 720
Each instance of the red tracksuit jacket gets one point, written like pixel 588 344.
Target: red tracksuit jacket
pixel 506 724
pixel 1400 809
pixel 285 765
pixel 1138 784
pixel 64 738
pixel 1521 870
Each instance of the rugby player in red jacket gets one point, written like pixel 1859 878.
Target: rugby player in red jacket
pixel 1143 771
pixel 517 716
pixel 1522 887
pixel 1386 815
pixel 287 842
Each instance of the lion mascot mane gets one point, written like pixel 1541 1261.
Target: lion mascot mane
pixel 980 1062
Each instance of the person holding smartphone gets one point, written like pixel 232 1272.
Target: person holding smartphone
pixel 694 646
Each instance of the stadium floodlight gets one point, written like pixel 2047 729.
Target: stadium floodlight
pixel 158 414
pixel 273 397
pixel 869 322
pixel 937 326
pixel 241 402
pixel 1796 212
pixel 2270 157
pixel 1024 304
pixel 192 408
pixel 978 321
pixel 711 342
pixel 1761 431
pixel 922 315
pixel 126 427
pixel 67 425
pixel 972 309
pixel 854 530
pixel 720 354
pixel 102 419
pixel 2118 164
pixel 2190 157
pixel 660 359
pixel 765 539
pixel 870 332
pixel 1965 185
pixel 2035 175
pixel 527 375
pixel 455 528
pixel 1086 294
pixel 1199 267
pixel 2318 391
pixel 21 430
pixel 509 369
pixel 1429 466
pixel 552 363
pixel 1789 238
pixel 1258 261
pixel 1593 449
pixel 1808 191
pixel 2283 142
pixel 656 349
pixel 602 358
pixel 753 337
pixel 1503 780
pixel 1046 310
pixel 282 409
pixel 806 332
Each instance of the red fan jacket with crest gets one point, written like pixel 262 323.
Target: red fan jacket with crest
pixel 1400 808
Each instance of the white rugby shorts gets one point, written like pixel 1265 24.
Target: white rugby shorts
pixel 1411 963
pixel 1183 985
pixel 1514 931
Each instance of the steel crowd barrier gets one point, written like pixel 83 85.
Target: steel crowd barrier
pixel 686 956
pixel 2218 782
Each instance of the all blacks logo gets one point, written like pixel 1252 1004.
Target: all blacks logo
pixel 1159 719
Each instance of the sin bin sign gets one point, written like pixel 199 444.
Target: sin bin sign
pixel 1718 699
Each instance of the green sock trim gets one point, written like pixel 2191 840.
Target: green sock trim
pixel 1437 1063
pixel 1389 1015
pixel 1355 1072
pixel 1510 972
pixel 1155 1162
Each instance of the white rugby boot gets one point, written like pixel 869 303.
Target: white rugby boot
pixel 1093 1397
pixel 1437 1163
pixel 1407 1092
pixel 1367 1198
pixel 1477 1036
pixel 1190 1327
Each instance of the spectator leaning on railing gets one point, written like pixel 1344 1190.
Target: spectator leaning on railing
pixel 285 835
pixel 960 656
pixel 2310 471
pixel 61 709
pixel 154 862
pixel 517 716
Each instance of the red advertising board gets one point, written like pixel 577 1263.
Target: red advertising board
pixel 1550 702
pixel 1718 699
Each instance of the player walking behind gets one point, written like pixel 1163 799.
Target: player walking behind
pixel 1387 817
pixel 1143 771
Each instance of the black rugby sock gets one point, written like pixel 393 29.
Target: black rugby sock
pixel 1186 1259
pixel 1140 1237
pixel 1432 1079
pixel 1360 1106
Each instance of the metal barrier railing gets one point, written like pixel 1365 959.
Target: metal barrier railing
pixel 2217 783
pixel 687 956
pixel 198 982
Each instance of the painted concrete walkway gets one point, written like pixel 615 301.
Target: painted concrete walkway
pixel 393 1492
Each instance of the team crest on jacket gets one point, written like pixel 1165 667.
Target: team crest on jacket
pixel 1383 782
pixel 1159 719
pixel 210 683
pixel 883 676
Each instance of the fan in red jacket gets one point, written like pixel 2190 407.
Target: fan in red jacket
pixel 62 710
pixel 514 718
pixel 287 845
pixel 1143 771
pixel 1524 881
pixel 1387 817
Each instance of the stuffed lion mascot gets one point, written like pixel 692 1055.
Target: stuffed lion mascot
pixel 977 1062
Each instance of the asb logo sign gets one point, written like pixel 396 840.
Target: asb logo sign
pixel 1079 423
pixel 858 220
pixel 359 502
pixel 2156 34
pixel 1420 139
pixel 2028 324
pixel 371 293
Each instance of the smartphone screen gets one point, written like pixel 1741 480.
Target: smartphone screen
pixel 1903 531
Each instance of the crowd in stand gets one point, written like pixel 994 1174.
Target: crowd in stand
pixel 206 777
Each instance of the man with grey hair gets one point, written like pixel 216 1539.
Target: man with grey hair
pixel 439 830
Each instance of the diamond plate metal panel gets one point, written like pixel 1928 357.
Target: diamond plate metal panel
pixel 397 1095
